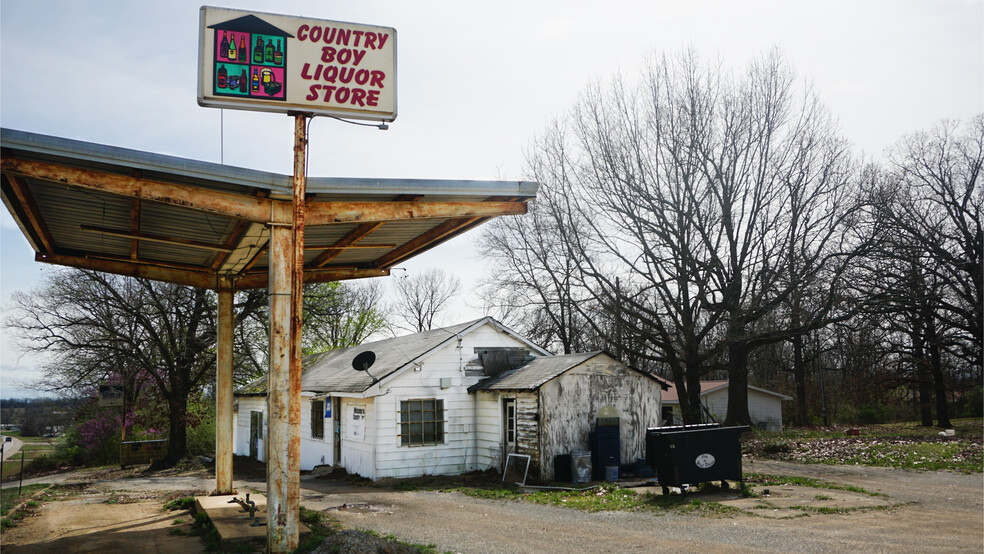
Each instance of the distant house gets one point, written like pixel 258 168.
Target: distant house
pixel 764 406
pixel 453 400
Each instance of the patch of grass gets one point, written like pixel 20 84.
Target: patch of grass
pixel 775 480
pixel 177 521
pixel 823 497
pixel 506 492
pixel 421 548
pixel 321 527
pixel 9 497
pixel 185 503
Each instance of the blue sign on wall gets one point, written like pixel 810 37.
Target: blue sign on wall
pixel 327 407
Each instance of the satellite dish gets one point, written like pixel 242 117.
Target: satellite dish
pixel 364 361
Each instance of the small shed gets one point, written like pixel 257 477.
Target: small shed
pixel 764 406
pixel 548 406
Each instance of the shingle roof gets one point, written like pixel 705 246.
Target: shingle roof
pixel 535 373
pixel 332 371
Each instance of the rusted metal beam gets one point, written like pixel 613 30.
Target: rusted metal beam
pixel 235 237
pixel 157 238
pixel 134 228
pixel 353 236
pixel 191 278
pixel 30 211
pixel 296 317
pixel 428 240
pixel 223 395
pixel 348 247
pixel 210 201
pixel 260 279
pixel 323 213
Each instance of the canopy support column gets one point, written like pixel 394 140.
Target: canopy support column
pixel 284 392
pixel 223 395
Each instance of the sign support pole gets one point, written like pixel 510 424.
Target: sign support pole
pixel 284 392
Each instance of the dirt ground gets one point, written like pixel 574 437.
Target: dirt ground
pixel 922 511
pixel 89 524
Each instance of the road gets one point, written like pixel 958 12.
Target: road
pixel 12 447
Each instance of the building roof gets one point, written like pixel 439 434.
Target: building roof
pixel 538 371
pixel 707 387
pixel 332 372
pixel 207 225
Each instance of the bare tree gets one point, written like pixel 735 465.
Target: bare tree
pixel 101 326
pixel 421 298
pixel 698 204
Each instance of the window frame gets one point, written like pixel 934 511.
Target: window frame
pixel 319 417
pixel 408 436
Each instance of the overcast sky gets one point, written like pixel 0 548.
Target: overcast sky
pixel 476 82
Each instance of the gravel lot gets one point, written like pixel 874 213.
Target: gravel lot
pixel 940 512
pixel 934 512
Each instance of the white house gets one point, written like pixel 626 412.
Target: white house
pixel 764 406
pixel 411 413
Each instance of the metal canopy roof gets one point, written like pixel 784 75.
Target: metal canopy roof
pixel 207 225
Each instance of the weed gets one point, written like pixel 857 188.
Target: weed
pixel 186 503
pixel 177 521
pixel 823 497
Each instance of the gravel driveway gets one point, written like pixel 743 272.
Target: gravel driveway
pixel 936 512
pixel 942 512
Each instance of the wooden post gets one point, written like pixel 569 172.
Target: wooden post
pixel 284 391
pixel 223 396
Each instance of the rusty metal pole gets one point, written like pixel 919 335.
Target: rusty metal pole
pixel 223 395
pixel 284 451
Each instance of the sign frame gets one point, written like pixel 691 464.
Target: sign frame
pixel 353 75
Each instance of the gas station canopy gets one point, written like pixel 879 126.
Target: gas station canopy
pixel 207 225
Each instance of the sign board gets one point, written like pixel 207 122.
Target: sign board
pixel 142 452
pixel 110 396
pixel 357 423
pixel 277 63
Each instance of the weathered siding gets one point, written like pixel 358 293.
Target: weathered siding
pixel 528 435
pixel 570 402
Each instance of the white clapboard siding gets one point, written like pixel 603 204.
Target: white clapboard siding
pixel 461 450
pixel 314 452
pixel 763 408
pixel 249 404
pixel 488 430
pixel 358 454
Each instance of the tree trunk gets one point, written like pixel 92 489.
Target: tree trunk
pixel 799 373
pixel 737 385
pixel 936 365
pixel 922 375
pixel 178 428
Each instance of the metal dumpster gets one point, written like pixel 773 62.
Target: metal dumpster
pixel 694 454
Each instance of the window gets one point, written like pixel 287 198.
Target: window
pixel 317 419
pixel 421 422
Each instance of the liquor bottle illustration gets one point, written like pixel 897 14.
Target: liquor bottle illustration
pixel 258 51
pixel 244 82
pixel 222 76
pixel 256 81
pixel 243 51
pixel 268 52
pixel 232 47
pixel 224 46
pixel 278 55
